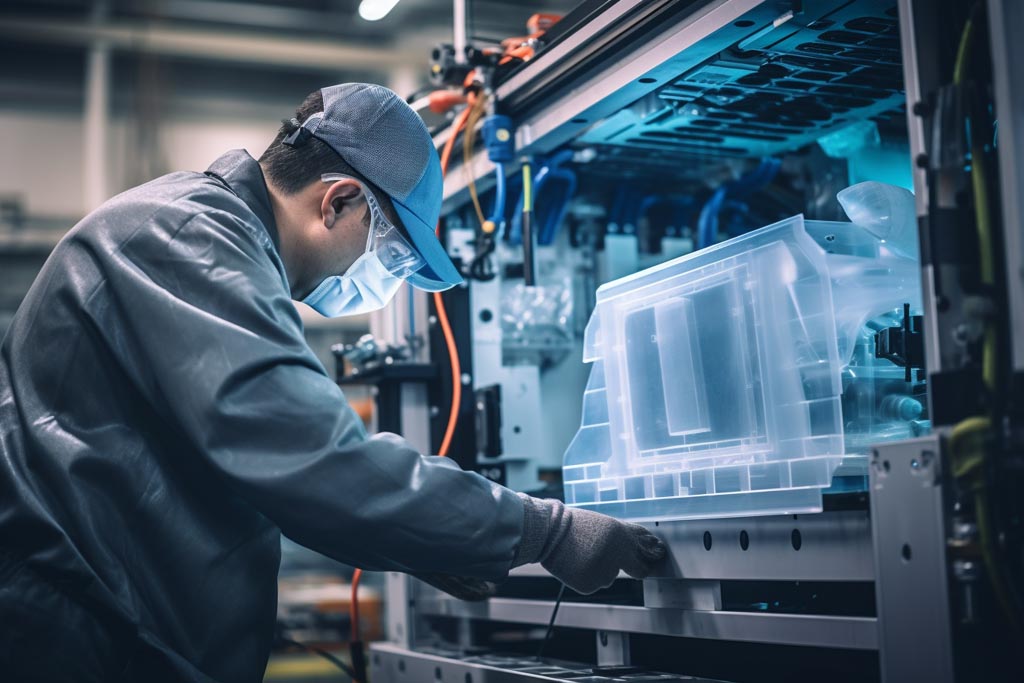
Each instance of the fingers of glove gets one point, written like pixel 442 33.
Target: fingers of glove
pixel 652 548
pixel 647 551
pixel 589 579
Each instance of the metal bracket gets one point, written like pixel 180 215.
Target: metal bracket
pixel 912 589
pixel 612 648
pixel 399 609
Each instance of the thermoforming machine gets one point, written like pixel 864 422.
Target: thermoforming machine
pixel 759 287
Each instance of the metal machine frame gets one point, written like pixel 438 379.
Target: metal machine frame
pixel 899 542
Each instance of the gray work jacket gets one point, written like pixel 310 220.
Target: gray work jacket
pixel 162 421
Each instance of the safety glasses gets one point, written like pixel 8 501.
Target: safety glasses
pixel 385 240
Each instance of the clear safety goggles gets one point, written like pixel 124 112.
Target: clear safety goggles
pixel 385 240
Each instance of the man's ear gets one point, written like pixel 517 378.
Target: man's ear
pixel 340 195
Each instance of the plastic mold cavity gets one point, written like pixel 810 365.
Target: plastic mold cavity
pixel 718 377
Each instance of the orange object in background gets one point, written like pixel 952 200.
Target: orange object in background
pixel 314 598
pixel 364 409
pixel 443 100
pixel 541 22
pixel 522 47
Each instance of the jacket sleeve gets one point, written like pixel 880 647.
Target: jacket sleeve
pixel 208 331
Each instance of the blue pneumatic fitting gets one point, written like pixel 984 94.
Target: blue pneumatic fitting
pixel 497 134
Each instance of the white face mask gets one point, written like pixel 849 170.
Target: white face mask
pixel 375 277
pixel 365 287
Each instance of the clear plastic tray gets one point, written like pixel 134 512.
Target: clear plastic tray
pixel 717 381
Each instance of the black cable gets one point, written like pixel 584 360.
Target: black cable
pixel 551 623
pixel 345 668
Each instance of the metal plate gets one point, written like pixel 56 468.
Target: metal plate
pixel 829 546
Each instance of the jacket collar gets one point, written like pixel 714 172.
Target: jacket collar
pixel 244 177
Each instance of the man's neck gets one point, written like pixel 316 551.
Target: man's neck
pixel 286 229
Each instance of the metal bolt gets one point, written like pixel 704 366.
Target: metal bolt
pixel 966 571
pixel 964 530
pixel 921 161
pixel 434 411
pixel 466 379
pixel 961 334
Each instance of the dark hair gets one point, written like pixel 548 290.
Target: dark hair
pixel 292 169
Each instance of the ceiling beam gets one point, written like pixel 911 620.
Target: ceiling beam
pixel 234 46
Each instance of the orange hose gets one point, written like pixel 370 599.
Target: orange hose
pixel 353 605
pixel 453 356
pixel 442 312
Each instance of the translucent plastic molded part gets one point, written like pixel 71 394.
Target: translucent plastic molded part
pixel 715 387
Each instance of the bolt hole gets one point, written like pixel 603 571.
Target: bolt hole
pixel 906 553
pixel 376 660
pixel 401 665
pixel 655 524
pixel 796 539
pixel 469 678
pixel 886 466
pixel 437 673
pixel 516 429
pixel 578 121
pixel 743 23
pixel 647 80
pixel 486 315
pixel 744 539
pixel 707 540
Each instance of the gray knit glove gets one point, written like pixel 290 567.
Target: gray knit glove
pixel 583 549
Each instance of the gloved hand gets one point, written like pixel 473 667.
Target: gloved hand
pixel 584 549
pixel 461 587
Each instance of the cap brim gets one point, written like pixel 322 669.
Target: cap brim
pixel 439 273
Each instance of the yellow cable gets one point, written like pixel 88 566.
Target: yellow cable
pixel 986 261
pixel 982 217
pixel 962 52
pixel 527 189
pixel 468 141
pixel 968 442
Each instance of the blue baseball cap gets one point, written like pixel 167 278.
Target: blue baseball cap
pixel 382 138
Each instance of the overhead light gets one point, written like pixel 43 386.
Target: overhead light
pixel 374 10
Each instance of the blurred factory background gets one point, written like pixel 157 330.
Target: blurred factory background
pixel 99 96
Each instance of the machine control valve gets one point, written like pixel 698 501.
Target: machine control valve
pixel 498 139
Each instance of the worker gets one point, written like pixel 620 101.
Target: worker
pixel 163 421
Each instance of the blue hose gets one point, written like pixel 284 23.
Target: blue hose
pixel 498 214
pixel 707 224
